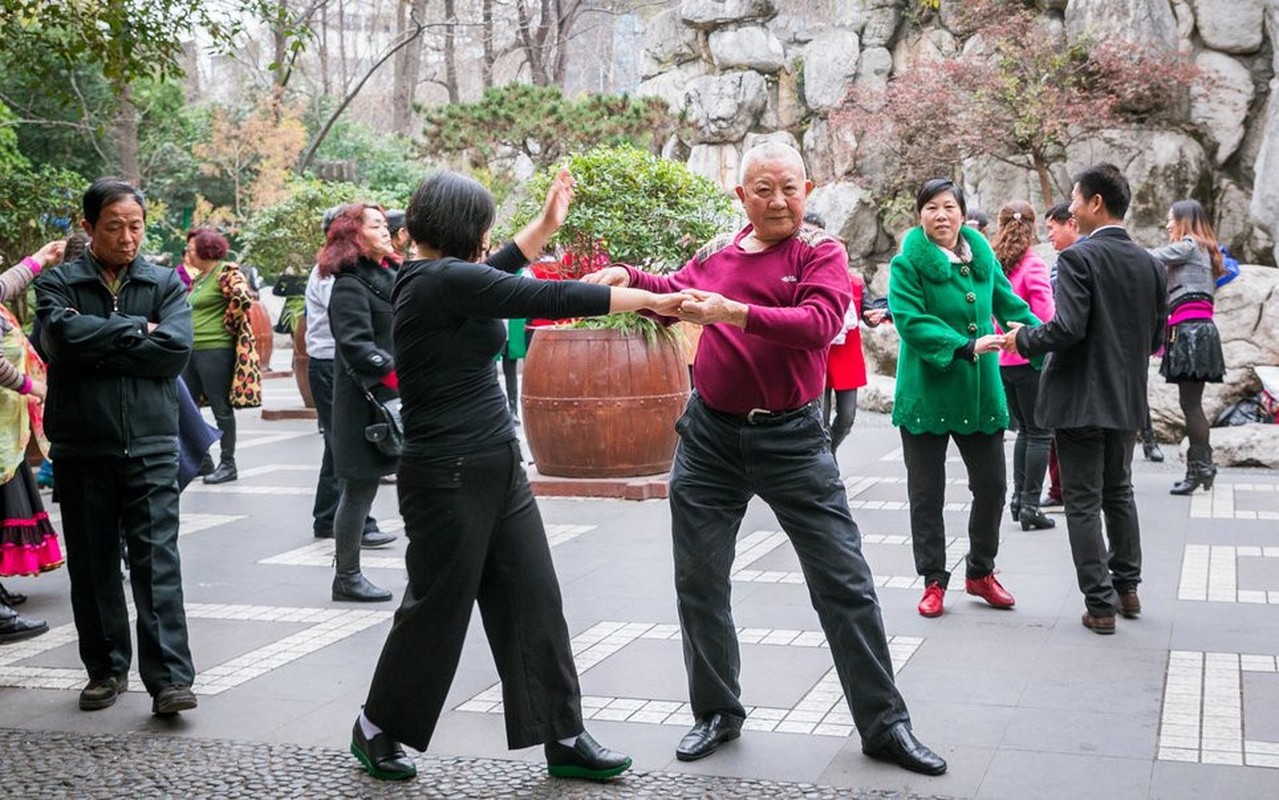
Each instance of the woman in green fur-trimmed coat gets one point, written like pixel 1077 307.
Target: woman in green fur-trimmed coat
pixel 945 291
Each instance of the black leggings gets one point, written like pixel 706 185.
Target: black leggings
pixel 208 377
pixel 845 407
pixel 1191 396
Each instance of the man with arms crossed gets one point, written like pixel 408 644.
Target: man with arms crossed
pixel 753 426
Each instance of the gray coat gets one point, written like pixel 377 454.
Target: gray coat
pixel 1189 271
pixel 1111 300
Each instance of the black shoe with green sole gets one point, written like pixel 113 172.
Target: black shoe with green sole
pixel 586 759
pixel 382 757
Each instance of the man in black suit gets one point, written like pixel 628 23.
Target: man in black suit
pixel 1111 306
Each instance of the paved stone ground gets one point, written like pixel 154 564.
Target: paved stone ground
pixel 139 766
pixel 1023 703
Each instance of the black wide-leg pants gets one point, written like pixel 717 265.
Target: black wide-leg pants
pixel 723 461
pixel 475 533
pixel 103 499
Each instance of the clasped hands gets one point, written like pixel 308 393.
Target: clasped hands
pixel 689 305
pixel 998 341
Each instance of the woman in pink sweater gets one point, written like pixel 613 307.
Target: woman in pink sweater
pixel 1028 275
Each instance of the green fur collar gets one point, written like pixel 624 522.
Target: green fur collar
pixel 933 264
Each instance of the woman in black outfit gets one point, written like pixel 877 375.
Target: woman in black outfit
pixel 359 255
pixel 473 528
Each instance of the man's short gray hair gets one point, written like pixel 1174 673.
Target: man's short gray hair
pixel 769 150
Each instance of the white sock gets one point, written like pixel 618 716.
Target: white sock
pixel 368 728
pixel 569 742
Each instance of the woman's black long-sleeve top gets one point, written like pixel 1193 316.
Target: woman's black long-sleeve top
pixel 448 330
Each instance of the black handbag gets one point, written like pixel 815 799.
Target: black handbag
pixel 387 435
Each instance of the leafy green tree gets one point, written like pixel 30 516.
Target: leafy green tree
pixel 383 162
pixel 284 238
pixel 37 206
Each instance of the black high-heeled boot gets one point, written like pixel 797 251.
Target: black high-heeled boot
pixel 1032 519
pixel 1014 505
pixel 1200 471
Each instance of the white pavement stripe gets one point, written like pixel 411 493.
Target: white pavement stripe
pixel 822 711
pixel 187 523
pixel 320 552
pixel 1202 716
pixel 1221 502
pixel 758 544
pixel 267 469
pixel 324 626
pixel 1210 573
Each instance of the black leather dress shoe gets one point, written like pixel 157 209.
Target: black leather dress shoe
pixel 11 598
pixel 381 756
pixel 899 745
pixel 14 627
pixel 587 759
pixel 706 736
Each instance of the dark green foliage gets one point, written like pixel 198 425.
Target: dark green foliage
pixel 637 208
pixel 542 123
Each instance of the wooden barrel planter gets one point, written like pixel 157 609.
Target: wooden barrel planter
pixel 602 404
pixel 302 362
pixel 263 334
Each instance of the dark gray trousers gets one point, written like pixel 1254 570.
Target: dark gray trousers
pixel 925 455
pixel 103 499
pixel 328 489
pixel 475 534
pixel 1096 479
pixel 1030 453
pixel 720 464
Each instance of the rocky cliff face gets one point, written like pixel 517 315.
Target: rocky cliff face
pixel 739 68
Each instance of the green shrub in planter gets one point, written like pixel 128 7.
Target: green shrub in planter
pixel 633 207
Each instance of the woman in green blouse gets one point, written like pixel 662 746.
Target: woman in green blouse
pixel 945 291
pixel 220 301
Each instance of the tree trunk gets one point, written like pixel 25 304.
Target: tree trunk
pixel 402 85
pixel 486 30
pixel 126 135
pixel 450 51
pixel 1045 178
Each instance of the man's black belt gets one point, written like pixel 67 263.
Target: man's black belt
pixel 763 416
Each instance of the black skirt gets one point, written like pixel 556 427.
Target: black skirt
pixel 1192 353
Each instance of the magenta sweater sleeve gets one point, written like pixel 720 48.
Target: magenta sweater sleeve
pixel 1036 290
pixel 822 295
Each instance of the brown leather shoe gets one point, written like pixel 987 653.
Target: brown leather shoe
pixel 1130 603
pixel 1102 625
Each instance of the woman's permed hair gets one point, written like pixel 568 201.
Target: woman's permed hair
pixel 209 244
pixel 450 213
pixel 1015 235
pixel 343 246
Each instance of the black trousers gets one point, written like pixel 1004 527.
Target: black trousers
pixel 1030 452
pixel 1096 479
pixel 103 499
pixel 208 377
pixel 475 533
pixel 721 462
pixel 925 455
pixel 328 489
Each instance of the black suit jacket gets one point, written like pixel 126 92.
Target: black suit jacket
pixel 1112 302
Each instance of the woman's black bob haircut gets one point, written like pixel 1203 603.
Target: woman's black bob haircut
pixel 936 186
pixel 450 213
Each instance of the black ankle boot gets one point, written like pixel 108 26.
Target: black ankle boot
pixel 352 585
pixel 1014 505
pixel 1200 471
pixel 1152 452
pixel 1032 519
pixel 224 473
pixel 206 466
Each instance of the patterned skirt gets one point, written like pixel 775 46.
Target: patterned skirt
pixel 28 544
pixel 1192 353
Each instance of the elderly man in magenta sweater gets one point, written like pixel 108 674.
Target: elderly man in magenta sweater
pixel 772 296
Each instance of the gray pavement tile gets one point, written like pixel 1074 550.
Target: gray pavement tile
pixel 1226 627
pixel 944 683
pixel 967 767
pixel 772 756
pixel 1260 702
pixel 958 723
pixel 1085 732
pixel 1021 774
pixel 1176 781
